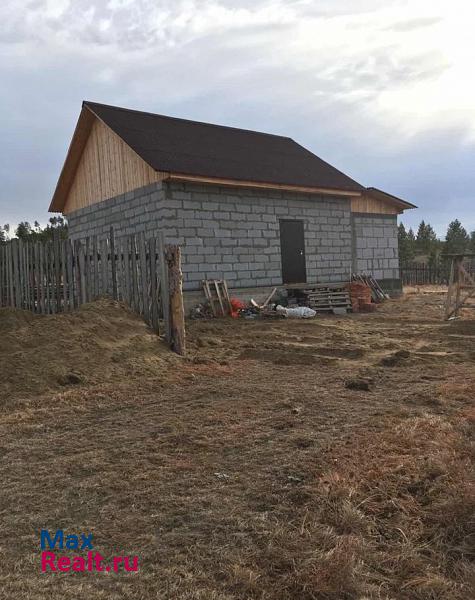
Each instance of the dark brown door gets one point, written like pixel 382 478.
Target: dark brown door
pixel 292 249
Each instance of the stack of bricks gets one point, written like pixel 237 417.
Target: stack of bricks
pixel 360 295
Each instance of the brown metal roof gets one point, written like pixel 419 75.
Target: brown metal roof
pixel 183 146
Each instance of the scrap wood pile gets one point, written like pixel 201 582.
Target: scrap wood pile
pixel 220 304
pixel 361 294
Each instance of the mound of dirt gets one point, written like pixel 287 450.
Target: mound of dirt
pixel 96 343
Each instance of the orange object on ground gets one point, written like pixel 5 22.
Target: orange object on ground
pixel 360 295
pixel 237 305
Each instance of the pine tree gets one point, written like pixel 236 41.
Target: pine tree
pixel 472 242
pixel 426 238
pixel 456 239
pixel 406 244
pixel 4 234
pixel 23 231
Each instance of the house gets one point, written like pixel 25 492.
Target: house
pixel 253 208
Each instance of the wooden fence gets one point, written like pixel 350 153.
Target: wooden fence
pixel 60 275
pixel 421 274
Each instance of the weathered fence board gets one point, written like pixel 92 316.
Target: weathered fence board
pixel 60 275
pixel 422 274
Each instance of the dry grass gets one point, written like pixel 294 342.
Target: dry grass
pixel 262 478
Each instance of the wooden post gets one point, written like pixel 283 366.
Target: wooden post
pixel 461 286
pixel 177 310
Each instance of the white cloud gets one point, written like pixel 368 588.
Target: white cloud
pixel 358 81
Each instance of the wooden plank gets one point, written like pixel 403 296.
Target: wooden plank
pixel 127 291
pixel 87 269
pixel 95 269
pixel 119 267
pixel 16 273
pixel 152 253
pixel 46 259
pixel 113 263
pixel 268 299
pixel 209 296
pixel 35 277
pixel 164 286
pixel 216 285
pixel 19 274
pixel 8 257
pixel 57 270
pixel 70 274
pixel 104 268
pixel 144 277
pixel 81 274
pixel 41 281
pixel 76 274
pixel 64 274
pixel 2 274
pixel 25 275
pixel 135 304
pixel 259 185
pixel 31 275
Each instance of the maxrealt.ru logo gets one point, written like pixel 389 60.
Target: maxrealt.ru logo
pixel 92 561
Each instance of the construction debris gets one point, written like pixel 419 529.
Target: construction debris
pixel 323 297
pixel 216 292
pixel 360 294
pixel 299 312
pixel 377 293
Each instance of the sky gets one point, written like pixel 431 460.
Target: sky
pixel 383 90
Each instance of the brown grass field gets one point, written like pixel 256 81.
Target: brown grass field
pixel 249 470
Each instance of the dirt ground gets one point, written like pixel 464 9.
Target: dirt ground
pixel 282 459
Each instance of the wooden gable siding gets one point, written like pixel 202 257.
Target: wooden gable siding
pixel 366 204
pixel 108 167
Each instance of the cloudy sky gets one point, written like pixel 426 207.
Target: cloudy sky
pixel 384 90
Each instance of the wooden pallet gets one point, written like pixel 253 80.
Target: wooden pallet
pixel 324 298
pixel 217 294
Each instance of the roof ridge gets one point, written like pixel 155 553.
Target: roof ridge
pixel 90 104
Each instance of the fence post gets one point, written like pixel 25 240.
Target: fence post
pixel 177 310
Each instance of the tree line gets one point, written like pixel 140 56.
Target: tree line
pixel 426 245
pixel 35 233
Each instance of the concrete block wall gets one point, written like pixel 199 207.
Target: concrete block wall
pixel 375 245
pixel 230 233
pixel 233 233
pixel 129 213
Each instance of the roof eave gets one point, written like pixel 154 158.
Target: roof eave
pixel 186 177
pixel 385 197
